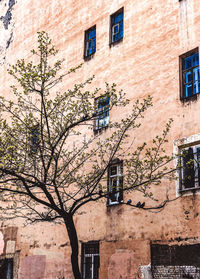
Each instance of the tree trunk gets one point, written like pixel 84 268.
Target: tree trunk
pixel 69 223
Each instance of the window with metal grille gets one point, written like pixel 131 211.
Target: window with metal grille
pixel 90 260
pixel 90 42
pixel 117 26
pixel 175 261
pixel 115 182
pixel 6 269
pixel 189 78
pixel 190 168
pixel 102 112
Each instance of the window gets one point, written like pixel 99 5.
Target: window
pixel 90 42
pixel 190 168
pixel 90 260
pixel 115 182
pixel 190 81
pixel 34 140
pixel 6 269
pixel 102 112
pixel 116 26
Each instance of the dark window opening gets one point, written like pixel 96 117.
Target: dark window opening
pixel 6 269
pixel 34 140
pixel 175 261
pixel 117 26
pixel 189 77
pixel 102 112
pixel 90 260
pixel 90 42
pixel 115 182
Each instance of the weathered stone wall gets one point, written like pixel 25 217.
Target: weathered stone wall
pixel 145 63
pixel 37 252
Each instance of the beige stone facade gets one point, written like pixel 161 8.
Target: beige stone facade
pixel 145 62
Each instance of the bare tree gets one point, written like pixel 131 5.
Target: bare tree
pixel 43 175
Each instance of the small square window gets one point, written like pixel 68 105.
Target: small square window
pixel 190 168
pixel 115 182
pixel 90 42
pixel 117 26
pixel 102 112
pixel 90 260
pixel 189 74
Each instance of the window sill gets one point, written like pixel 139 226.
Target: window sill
pixel 189 99
pixel 189 189
pixel 116 42
pixel 114 203
pixel 89 57
pixel 98 131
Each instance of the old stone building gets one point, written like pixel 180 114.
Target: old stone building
pixel 147 48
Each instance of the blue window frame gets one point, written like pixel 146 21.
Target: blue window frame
pixel 90 42
pixel 102 111
pixel 190 74
pixel 117 26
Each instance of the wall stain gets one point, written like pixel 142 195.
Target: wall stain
pixel 8 16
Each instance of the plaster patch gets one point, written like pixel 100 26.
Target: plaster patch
pixel 10 247
pixel 58 269
pixel 32 267
pixel 186 23
pixel 49 255
pixel 121 265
